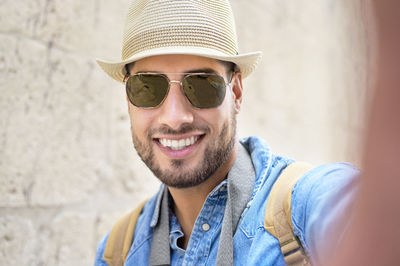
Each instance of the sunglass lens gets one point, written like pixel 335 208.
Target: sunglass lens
pixel 146 90
pixel 204 90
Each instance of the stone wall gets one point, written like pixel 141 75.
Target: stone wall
pixel 67 165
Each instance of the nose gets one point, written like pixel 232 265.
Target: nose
pixel 176 110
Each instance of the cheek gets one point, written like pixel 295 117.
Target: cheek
pixel 218 116
pixel 140 120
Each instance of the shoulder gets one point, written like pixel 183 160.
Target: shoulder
pixel 327 179
pixel 142 231
pixel 324 182
pixel 319 199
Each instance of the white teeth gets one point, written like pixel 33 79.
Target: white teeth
pixel 174 144
pixel 182 143
pixel 178 144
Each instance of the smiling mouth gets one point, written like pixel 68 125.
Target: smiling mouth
pixel 179 144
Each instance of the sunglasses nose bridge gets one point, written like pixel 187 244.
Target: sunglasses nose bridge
pixel 176 82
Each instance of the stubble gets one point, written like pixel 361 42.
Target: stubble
pixel 178 175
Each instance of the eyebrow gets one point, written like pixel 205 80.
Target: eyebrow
pixel 200 70
pixel 203 70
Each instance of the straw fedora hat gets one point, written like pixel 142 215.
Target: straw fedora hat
pixel 194 27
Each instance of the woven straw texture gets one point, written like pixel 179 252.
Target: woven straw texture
pixel 197 27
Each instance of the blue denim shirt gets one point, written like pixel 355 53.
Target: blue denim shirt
pixel 318 199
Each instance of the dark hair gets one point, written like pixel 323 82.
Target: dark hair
pixel 230 67
pixel 127 67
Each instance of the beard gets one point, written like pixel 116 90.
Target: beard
pixel 178 175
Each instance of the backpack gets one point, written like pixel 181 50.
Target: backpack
pixel 277 221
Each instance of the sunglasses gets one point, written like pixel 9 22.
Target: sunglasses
pixel 149 90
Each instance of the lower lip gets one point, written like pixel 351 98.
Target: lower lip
pixel 179 154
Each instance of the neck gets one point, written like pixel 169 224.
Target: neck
pixel 189 201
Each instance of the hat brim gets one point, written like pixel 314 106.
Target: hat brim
pixel 245 62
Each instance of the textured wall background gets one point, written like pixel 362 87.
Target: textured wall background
pixel 67 165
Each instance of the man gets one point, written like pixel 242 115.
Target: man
pixel 183 77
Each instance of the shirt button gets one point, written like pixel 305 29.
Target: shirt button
pixel 222 189
pixel 205 227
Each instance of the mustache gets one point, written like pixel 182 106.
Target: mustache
pixel 185 128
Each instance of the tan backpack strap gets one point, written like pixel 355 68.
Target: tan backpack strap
pixel 278 220
pixel 120 239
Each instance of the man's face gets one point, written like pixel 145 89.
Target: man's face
pixel 202 139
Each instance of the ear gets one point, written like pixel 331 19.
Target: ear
pixel 237 90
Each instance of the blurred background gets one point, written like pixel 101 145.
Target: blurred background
pixel 68 168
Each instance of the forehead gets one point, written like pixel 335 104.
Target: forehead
pixel 176 63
